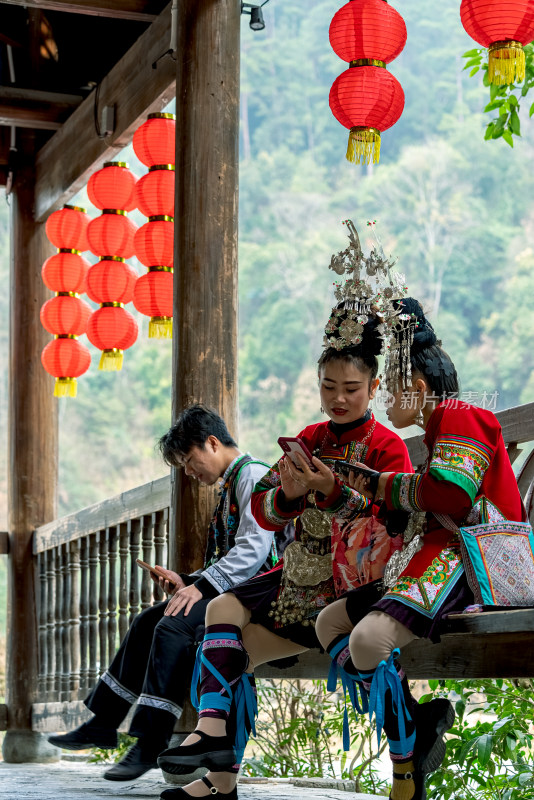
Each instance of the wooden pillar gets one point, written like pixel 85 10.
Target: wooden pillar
pixel 32 486
pixel 205 261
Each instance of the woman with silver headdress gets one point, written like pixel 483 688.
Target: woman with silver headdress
pixel 273 618
pixel 467 465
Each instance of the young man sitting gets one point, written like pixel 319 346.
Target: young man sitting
pixel 154 663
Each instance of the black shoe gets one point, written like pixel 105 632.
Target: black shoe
pixel 180 794
pixel 86 736
pixel 214 752
pixel 418 779
pixel 432 721
pixel 138 760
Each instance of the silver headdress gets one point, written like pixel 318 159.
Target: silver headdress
pixel 371 289
pixel 400 336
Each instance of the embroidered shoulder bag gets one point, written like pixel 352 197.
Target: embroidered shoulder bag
pixel 498 556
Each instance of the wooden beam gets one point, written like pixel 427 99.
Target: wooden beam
pixel 519 620
pixel 68 159
pixel 134 10
pixel 30 108
pixel 4 543
pixel 205 244
pixel 311 665
pixel 480 654
pixel 463 655
pixel 15 94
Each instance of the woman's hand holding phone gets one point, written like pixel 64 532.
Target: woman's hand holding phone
pixel 299 481
pixel 367 486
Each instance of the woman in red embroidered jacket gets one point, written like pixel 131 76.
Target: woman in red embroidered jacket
pixel 467 461
pixel 244 630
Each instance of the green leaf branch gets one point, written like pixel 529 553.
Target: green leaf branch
pixel 507 99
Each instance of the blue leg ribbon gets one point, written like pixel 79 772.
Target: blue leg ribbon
pixel 350 685
pixel 223 702
pixel 246 708
pixel 386 677
pixel 195 679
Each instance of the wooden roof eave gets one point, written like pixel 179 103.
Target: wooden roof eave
pixel 132 10
pixel 67 160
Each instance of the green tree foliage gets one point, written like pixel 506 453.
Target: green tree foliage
pixel 505 100
pixel 490 748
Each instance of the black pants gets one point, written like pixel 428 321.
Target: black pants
pixel 152 668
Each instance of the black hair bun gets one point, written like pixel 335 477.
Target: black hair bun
pixel 424 336
pixel 371 343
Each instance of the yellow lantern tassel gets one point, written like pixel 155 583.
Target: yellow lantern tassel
pixel 363 146
pixel 160 328
pixel 506 63
pixel 65 387
pixel 111 360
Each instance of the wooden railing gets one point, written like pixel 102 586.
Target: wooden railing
pixel 90 589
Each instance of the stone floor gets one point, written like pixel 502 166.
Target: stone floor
pixel 81 781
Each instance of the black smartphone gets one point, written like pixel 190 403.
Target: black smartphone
pixel 345 468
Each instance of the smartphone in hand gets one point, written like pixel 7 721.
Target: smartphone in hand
pixel 292 445
pixel 344 468
pixel 157 571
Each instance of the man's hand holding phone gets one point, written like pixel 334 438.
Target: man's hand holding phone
pixel 167 579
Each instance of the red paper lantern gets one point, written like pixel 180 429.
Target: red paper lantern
pixel 154 142
pixel 65 272
pixel 153 297
pixel 65 314
pixel 112 234
pixel 112 329
pixel 113 186
pixel 367 100
pixel 504 26
pixel 66 359
pixel 154 192
pixel 154 242
pixel 67 228
pixel 367 29
pixel 111 280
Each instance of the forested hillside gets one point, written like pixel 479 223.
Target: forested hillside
pixel 457 211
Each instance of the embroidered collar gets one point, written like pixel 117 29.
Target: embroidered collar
pixel 340 428
pixel 229 468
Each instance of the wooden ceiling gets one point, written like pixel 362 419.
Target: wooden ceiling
pixel 53 56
